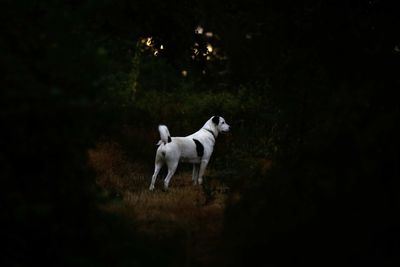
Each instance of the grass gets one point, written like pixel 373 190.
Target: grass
pixel 187 220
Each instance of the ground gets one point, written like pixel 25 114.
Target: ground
pixel 186 221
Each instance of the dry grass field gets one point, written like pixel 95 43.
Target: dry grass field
pixel 186 221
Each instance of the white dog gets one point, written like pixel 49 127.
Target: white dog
pixel 195 148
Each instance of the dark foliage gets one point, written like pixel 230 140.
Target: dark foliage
pixel 330 198
pixel 307 85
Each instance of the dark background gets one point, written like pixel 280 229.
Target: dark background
pixel 307 85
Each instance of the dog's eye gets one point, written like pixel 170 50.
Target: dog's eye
pixel 223 122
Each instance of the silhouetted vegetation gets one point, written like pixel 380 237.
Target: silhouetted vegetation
pixel 308 175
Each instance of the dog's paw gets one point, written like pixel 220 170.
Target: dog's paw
pixel 165 189
pixel 151 188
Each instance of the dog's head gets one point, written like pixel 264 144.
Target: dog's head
pixel 220 124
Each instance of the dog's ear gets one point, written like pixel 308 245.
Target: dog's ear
pixel 215 120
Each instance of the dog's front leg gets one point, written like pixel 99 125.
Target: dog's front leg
pixel 203 166
pixel 195 174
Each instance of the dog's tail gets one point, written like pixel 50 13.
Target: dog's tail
pixel 164 134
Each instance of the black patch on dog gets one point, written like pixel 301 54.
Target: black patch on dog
pixel 215 120
pixel 169 139
pixel 163 153
pixel 199 148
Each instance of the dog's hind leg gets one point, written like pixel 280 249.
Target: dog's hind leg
pixel 195 174
pixel 157 169
pixel 171 170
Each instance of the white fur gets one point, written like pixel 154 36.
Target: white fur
pixel 164 133
pixel 183 149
